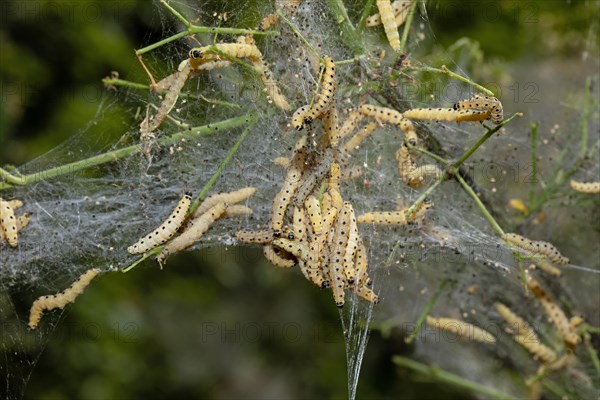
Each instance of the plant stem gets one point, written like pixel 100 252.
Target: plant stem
pixel 482 140
pixel 407 25
pixel 446 71
pixel 480 205
pixel 348 33
pixel 449 378
pixel 193 29
pixel 534 129
pixel 426 312
pixel 121 153
pixel 121 82
pixel 428 153
pixel 202 193
pixel 422 197
pixel 584 120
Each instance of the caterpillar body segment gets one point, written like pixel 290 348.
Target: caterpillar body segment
pixel 518 325
pixel 255 237
pixel 383 218
pixel 388 20
pixel 585 187
pixel 326 94
pixel 237 210
pixel 284 197
pixel 462 329
pixel 298 117
pixel 197 227
pixel 166 230
pixel 537 349
pixel 278 257
pixel 356 140
pixel 555 313
pixel 400 8
pixel 8 223
pixel 230 198
pixel 339 242
pixel 349 260
pixel 60 300
pixel 447 114
pixel 313 209
pixel 536 247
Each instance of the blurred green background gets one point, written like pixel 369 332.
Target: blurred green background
pixel 218 323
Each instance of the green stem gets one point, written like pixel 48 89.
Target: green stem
pixel 298 33
pixel 348 33
pixel 449 378
pixel 121 82
pixel 422 197
pixel 426 312
pixel 176 13
pixel 480 205
pixel 193 29
pixel 430 154
pixel 584 120
pixel 202 193
pixel 534 129
pixel 127 151
pixel 592 352
pixel 446 71
pixel 407 25
pixel 482 140
pixel 10 178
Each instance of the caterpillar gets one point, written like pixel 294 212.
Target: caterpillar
pixel 150 125
pixel 447 114
pixel 400 12
pixel 558 317
pixel 419 212
pixel 354 143
pixel 194 231
pixel 462 329
pixel 518 325
pixel 388 19
pixel 524 335
pixel 330 124
pixel 353 119
pixel 545 266
pixel 383 218
pixel 586 187
pixel 298 117
pixel 22 221
pixel 488 103
pixel 284 197
pixel 255 237
pixel 277 257
pixel 313 209
pixel 382 114
pixel 237 210
pixel 361 276
pixel 339 243
pixel 8 223
pixel 536 247
pixel 60 300
pixel 299 224
pixel 417 176
pixel 537 349
pixel 297 249
pixel 229 198
pixel 326 94
pixel 166 230
pixel 15 204
pixel 349 265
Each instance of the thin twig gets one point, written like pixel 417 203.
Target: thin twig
pixel 426 312
pixel 480 205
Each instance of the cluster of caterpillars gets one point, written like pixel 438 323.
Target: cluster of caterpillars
pixel 196 224
pixel 10 223
pixel 525 335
